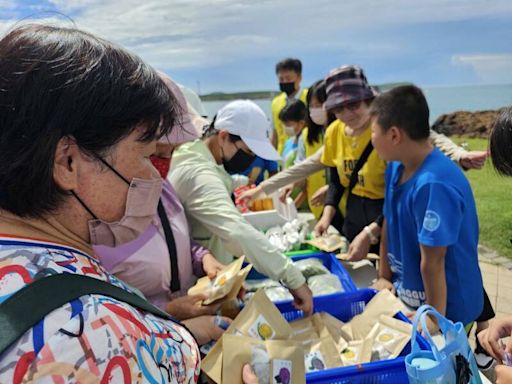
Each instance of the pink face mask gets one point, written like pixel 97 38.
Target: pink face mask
pixel 141 207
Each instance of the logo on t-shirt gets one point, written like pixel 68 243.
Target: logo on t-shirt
pixel 431 221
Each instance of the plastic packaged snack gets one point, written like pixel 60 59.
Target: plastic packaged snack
pixel 311 267
pixel 257 284
pixel 325 284
pixel 329 242
pixel 278 294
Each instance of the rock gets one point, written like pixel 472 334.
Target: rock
pixel 469 124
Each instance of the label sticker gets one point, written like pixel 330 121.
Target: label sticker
pixel 261 329
pixel 281 371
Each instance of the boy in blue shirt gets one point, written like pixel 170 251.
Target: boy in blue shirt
pixel 430 233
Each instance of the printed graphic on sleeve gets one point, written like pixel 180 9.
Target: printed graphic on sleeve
pixel 432 221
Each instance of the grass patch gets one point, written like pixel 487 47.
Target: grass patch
pixel 493 201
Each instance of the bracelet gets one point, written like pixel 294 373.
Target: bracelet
pixel 373 239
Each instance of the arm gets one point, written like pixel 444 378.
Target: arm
pixel 448 147
pixel 298 172
pixel 385 274
pixel 334 194
pixel 433 275
pixel 207 200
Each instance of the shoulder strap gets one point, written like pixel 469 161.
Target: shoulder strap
pixel 362 160
pixel 26 307
pixel 171 246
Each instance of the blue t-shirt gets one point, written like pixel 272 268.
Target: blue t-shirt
pixel 262 165
pixel 435 207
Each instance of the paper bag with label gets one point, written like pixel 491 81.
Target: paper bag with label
pixel 383 303
pixel 225 285
pixel 390 338
pixel 259 319
pixel 273 361
pixel 321 354
pixel 357 352
pixel 333 327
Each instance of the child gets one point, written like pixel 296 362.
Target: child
pixel 429 248
pixel 293 117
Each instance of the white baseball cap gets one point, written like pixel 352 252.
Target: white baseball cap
pixel 246 119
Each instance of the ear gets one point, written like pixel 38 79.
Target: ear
pixel 65 172
pixel 222 136
pixel 396 135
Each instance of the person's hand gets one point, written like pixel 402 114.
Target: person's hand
pixel 211 266
pixel 503 374
pixel 473 159
pixel 321 226
pixel 490 338
pixel 431 324
pixel 359 247
pixel 248 375
pixel 318 198
pixel 303 299
pixel 250 195
pixel 383 283
pixel 204 328
pixel 186 307
pixel 285 192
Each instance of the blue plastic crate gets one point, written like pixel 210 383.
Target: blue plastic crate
pixel 344 308
pixel 330 262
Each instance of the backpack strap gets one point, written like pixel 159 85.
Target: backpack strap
pixel 26 307
pixel 360 163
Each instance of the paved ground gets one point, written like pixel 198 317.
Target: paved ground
pixel 498 284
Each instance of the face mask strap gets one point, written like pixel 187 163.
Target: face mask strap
pixel 113 170
pixel 83 205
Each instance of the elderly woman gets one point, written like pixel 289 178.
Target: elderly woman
pixel 79 119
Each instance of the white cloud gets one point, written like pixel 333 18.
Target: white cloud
pixel 490 68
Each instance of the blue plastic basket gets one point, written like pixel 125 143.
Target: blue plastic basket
pixel 331 263
pixel 344 308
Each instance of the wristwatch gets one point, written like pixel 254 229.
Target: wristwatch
pixel 373 239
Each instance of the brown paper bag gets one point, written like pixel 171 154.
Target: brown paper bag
pixel 333 327
pixel 357 352
pixel 321 354
pixel 390 338
pixel 260 319
pixel 383 303
pixel 226 284
pixel 273 361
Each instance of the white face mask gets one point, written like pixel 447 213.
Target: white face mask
pixel 289 130
pixel 318 115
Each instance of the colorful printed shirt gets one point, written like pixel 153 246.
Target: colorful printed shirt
pixel 91 339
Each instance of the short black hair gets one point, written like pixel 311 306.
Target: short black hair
pixel 62 82
pixel 294 110
pixel 289 64
pixel 404 107
pixel 500 143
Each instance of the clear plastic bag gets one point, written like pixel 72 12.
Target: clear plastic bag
pixel 325 284
pixel 311 267
pixel 278 294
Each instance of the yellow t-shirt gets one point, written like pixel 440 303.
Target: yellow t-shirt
pixel 342 152
pixel 316 180
pixel 278 103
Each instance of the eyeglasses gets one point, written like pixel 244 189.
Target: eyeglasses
pixel 350 106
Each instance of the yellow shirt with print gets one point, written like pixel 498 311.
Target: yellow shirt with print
pixel 343 152
pixel 278 103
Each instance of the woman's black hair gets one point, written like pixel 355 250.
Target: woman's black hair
pixel 315 130
pixel 500 143
pixel 57 82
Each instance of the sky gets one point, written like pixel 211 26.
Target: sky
pixel 233 45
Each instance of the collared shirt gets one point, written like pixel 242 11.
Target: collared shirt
pixel 205 188
pixel 144 263
pixel 93 338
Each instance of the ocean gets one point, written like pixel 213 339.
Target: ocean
pixel 440 99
